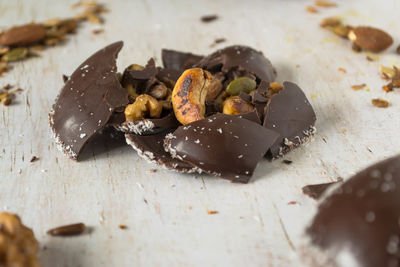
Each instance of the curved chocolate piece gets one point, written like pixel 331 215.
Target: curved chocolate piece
pixel 358 225
pixel 291 115
pixel 222 145
pixel 142 80
pixel 149 126
pixel 87 101
pixel 242 57
pixel 150 147
pixel 316 191
pixel 176 60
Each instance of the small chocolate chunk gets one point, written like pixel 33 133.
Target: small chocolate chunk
pixel 141 80
pixel 242 57
pixel 258 99
pixel 291 115
pixel 246 97
pixel 209 18
pixel 221 145
pixel 176 60
pixel 164 74
pixel 68 230
pixel 358 224
pixel 315 191
pixel 150 147
pixel 148 126
pixel 87 101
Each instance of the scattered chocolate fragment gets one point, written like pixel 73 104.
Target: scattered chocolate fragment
pixel 33 159
pixel 151 148
pixel 65 78
pixel 358 224
pixel 315 191
pixel 122 227
pixel 380 103
pixel 291 115
pixel 286 161
pixel 68 230
pixel 209 18
pixel 87 101
pixel 222 145
pixel 211 212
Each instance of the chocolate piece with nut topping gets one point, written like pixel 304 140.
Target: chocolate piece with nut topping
pixel 358 224
pixel 241 58
pixel 291 115
pixel 87 101
pixel 221 145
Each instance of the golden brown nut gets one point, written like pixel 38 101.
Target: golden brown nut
pixel 159 91
pixel 370 39
pixel 144 105
pixel 235 105
pixel 189 95
pixel 18 246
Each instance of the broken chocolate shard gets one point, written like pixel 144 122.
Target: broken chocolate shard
pixel 222 145
pixel 242 58
pixel 148 126
pixel 209 18
pixel 315 191
pixel 150 147
pixel 358 224
pixel 291 115
pixel 141 80
pixel 87 101
pixel 176 60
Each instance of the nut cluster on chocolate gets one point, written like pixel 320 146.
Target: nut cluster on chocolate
pixel 219 114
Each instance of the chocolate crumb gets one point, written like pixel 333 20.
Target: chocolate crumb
pixel 68 230
pixel 286 161
pixel 97 31
pixel 153 170
pixel 122 227
pixel 65 78
pixel 209 18
pixel 292 203
pixel 34 158
pixel 315 191
pixel 358 86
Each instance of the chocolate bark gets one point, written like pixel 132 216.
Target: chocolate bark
pixel 358 225
pixel 222 145
pixel 291 115
pixel 87 101
pixel 242 58
pixel 150 147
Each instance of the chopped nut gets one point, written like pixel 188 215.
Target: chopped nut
pixel 131 92
pixel 380 103
pixel 18 246
pixel 189 95
pixel 275 88
pixel 241 84
pixel 387 72
pixel 6 101
pixel 235 105
pixel 15 54
pixel 311 9
pixel 387 88
pixel 324 3
pixel 358 87
pixel 342 70
pixel 330 22
pixel 370 39
pixel 135 67
pixel 211 212
pixel 68 230
pixel 159 91
pixel 23 35
pixel 341 30
pixel 144 105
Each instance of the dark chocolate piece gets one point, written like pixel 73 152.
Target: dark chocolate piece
pixel 148 126
pixel 358 224
pixel 291 115
pixel 242 58
pixel 209 18
pixel 176 60
pixel 170 74
pixel 219 40
pixel 258 98
pixel 222 145
pixel 141 80
pixel 150 147
pixel 251 116
pixel 315 191
pixel 87 101
pixel 246 97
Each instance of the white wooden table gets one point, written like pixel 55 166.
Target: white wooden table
pixel 166 212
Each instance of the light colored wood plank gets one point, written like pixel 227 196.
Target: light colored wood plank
pixel 166 212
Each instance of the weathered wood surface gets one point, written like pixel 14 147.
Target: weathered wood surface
pixel 166 213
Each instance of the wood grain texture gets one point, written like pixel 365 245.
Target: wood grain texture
pixel 166 213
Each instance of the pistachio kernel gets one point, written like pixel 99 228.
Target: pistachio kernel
pixel 15 54
pixel 241 84
pixel 235 105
